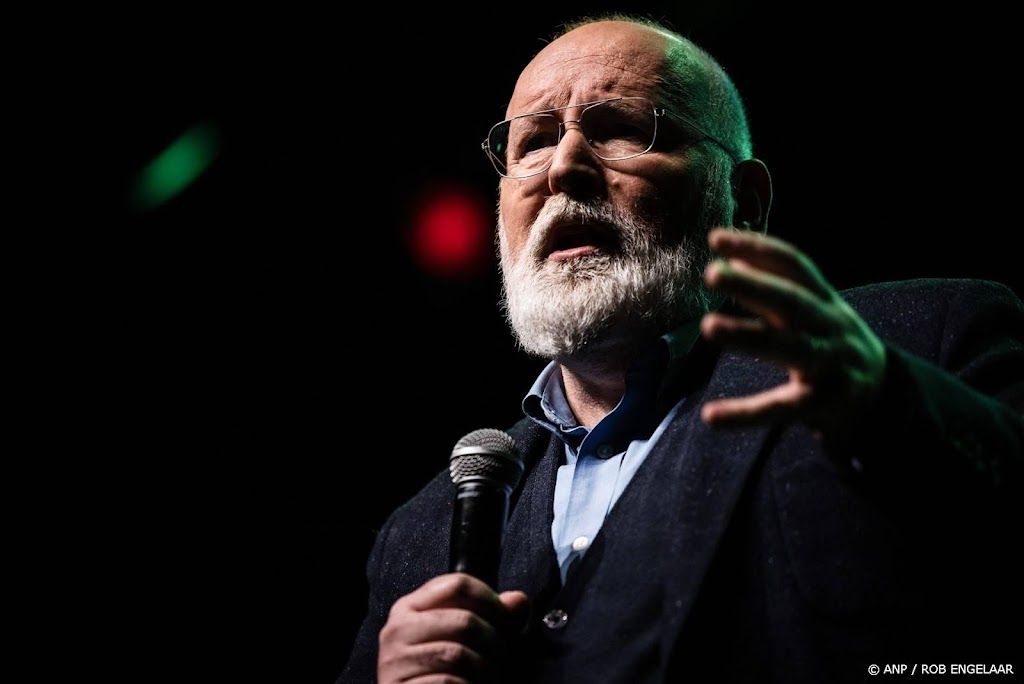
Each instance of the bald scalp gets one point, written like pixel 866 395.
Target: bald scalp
pixel 692 81
pixel 632 57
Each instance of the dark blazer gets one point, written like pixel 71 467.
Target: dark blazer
pixel 773 553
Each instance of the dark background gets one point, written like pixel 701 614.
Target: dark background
pixel 288 370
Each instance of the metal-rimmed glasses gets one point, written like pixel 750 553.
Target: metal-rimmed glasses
pixel 616 128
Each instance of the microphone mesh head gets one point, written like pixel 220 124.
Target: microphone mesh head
pixel 486 455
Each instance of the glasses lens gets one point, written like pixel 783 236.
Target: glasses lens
pixel 524 145
pixel 620 129
pixel 497 146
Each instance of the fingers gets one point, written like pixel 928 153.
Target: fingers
pixel 457 590
pixel 757 338
pixel 446 624
pixel 774 405
pixel 770 254
pixel 432 659
pixel 781 302
pixel 517 604
pixel 802 323
pixel 452 626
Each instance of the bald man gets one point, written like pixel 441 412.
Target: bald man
pixel 734 472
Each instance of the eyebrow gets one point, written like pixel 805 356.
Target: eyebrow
pixel 570 106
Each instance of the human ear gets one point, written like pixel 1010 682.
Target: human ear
pixel 752 194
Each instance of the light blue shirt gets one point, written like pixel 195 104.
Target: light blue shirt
pixel 600 462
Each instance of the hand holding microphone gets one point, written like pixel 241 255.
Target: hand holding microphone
pixel 453 628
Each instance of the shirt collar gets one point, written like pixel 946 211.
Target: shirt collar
pixel 635 414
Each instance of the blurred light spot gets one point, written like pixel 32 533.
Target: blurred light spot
pixel 451 231
pixel 177 167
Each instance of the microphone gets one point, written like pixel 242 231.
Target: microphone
pixel 485 467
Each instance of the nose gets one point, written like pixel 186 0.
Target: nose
pixel 575 169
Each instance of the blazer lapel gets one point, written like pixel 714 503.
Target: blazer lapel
pixel 528 557
pixel 707 475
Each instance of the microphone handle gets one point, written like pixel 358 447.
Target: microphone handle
pixel 478 528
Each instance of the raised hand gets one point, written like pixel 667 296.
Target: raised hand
pixel 835 361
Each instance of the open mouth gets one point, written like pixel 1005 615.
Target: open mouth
pixel 577 240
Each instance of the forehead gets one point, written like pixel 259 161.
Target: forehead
pixel 595 61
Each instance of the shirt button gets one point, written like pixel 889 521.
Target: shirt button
pixel 555 619
pixel 605 451
pixel 580 544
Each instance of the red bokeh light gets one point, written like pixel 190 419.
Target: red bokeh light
pixel 450 234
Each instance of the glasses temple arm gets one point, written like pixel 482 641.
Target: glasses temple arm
pixel 695 126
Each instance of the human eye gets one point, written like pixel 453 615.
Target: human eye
pixel 532 134
pixel 624 128
pixel 538 141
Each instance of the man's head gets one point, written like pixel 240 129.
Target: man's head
pixel 599 254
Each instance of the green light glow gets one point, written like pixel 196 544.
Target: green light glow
pixel 177 167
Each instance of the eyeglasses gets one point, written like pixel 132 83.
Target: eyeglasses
pixel 617 128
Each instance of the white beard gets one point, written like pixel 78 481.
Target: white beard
pixel 607 299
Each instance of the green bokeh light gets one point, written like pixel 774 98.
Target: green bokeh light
pixel 177 167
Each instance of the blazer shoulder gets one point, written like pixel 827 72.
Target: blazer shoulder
pixel 927 315
pixel 416 545
pixel 437 494
pixel 925 292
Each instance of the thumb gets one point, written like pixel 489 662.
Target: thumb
pixel 517 604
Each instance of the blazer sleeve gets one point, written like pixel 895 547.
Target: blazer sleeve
pixel 950 428
pixel 362 663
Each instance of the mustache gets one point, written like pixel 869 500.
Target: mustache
pixel 560 211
